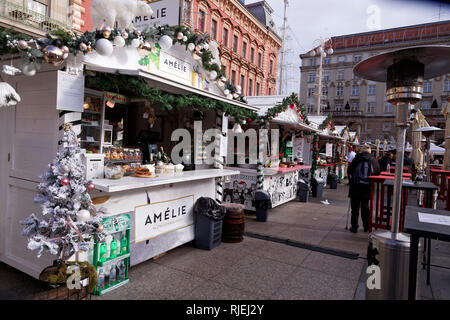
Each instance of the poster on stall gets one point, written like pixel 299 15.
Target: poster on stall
pixel 155 219
pixel 165 12
pixel 329 150
pixel 241 189
pixel 298 147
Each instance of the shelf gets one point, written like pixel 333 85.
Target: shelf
pixel 117 285
pixel 86 141
pixel 123 161
pixel 90 125
pixel 91 112
pixel 115 260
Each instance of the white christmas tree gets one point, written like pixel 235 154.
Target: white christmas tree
pixel 69 219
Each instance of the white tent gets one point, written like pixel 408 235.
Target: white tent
pixel 434 149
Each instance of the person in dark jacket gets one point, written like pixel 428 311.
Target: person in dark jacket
pixel 409 163
pixel 385 161
pixel 359 192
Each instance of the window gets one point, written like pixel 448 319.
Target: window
pixel 201 20
pixel 325 91
pixel 340 91
pixel 259 59
pixel 371 107
pixel 270 91
pixel 355 90
pixel 310 108
pixel 187 15
pixel 313 62
pixel 326 61
pixel 425 105
pixel 233 77
pixel 310 92
pixel 341 59
pixel 235 43
pixel 355 76
pixel 250 87
pixel 355 106
pixel 446 85
pixel 271 67
pixel 371 89
pixel 338 106
pixel 340 75
pixel 311 77
pixel 257 88
pixel 357 58
pixel 244 49
pixel 214 29
pixel 252 55
pixel 326 76
pixel 225 37
pixel 38 7
pixel 243 83
pixel 388 107
pixel 427 86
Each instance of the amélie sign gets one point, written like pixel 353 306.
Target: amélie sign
pixel 164 12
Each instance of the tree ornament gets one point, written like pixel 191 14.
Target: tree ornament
pixel 83 215
pixel 65 168
pixel 135 43
pixel 29 70
pixel 229 96
pixel 205 46
pixel 226 92
pixel 198 48
pixel 244 122
pixel 184 38
pixel 191 46
pixel 83 46
pixel 124 35
pixel 104 47
pixel 144 49
pixel 165 42
pixel 119 41
pixel 106 34
pixel 65 49
pixel 65 181
pixel 223 79
pixel 91 186
pixel 8 96
pixel 213 75
pixel 180 35
pixel 53 55
pixel 137 32
pixel 100 228
pixel 22 45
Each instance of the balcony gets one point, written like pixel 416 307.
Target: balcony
pixel 432 112
pixel 28 18
pixel 344 113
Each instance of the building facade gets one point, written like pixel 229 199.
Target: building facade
pixel 247 40
pixel 360 103
pixel 38 17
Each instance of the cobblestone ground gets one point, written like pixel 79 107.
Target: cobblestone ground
pixel 329 264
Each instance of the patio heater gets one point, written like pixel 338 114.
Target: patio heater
pixel 404 72
pixel 427 132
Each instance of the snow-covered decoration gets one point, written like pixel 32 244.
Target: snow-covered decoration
pixel 214 48
pixel 8 96
pixel 61 231
pixel 105 13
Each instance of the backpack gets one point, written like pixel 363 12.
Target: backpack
pixel 362 172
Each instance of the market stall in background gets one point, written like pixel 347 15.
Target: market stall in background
pixel 281 171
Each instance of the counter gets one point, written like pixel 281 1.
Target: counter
pixel 160 208
pixel 281 183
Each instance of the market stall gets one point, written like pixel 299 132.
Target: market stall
pixel 124 101
pixel 281 171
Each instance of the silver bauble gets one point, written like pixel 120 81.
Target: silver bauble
pixel 53 55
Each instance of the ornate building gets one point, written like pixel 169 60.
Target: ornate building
pixel 247 41
pixel 361 103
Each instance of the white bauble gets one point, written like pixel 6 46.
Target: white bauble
pixel 83 215
pixel 229 96
pixel 180 35
pixel 165 42
pixel 238 88
pixel 223 79
pixel 226 92
pixel 119 41
pixel 184 38
pixel 206 46
pixel 104 47
pixel 213 75
pixel 135 43
pixel 29 70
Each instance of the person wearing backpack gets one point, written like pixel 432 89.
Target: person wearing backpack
pixel 363 166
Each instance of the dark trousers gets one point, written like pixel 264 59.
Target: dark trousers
pixel 356 204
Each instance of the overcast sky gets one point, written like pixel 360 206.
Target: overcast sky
pixel 311 19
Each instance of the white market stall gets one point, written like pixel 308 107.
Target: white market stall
pixel 279 177
pixel 30 133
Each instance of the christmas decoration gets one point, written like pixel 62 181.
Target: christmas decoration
pixel 83 215
pixel 119 41
pixel 291 102
pixel 315 154
pixel 65 181
pixel 8 96
pixel 29 70
pixel 91 186
pixel 59 231
pixel 53 55
pixel 165 42
pixel 104 47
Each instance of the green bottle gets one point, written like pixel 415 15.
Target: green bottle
pixel 103 251
pixel 123 244
pixel 113 249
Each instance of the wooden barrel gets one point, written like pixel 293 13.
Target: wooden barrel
pixel 233 223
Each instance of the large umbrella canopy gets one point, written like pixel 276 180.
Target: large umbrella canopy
pixel 434 149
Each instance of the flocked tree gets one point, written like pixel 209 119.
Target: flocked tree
pixel 69 219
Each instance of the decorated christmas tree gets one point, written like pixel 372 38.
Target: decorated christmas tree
pixel 69 219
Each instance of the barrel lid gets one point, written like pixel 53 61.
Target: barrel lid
pixel 233 206
pixel 385 236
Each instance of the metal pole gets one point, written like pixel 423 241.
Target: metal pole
pixel 283 43
pixel 401 120
pixel 319 76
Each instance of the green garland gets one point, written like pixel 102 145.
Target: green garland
pixel 138 88
pixel 328 122
pixel 315 154
pixel 292 102
pixel 34 54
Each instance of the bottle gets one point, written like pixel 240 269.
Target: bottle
pixel 123 244
pixel 112 275
pixel 103 251
pixel 121 268
pixel 100 280
pixel 117 240
pixel 113 249
pixel 108 241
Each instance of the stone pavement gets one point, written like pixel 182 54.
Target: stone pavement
pixel 262 269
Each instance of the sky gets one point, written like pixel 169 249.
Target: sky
pixel 309 20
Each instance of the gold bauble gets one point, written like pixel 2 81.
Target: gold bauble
pixel 106 34
pixel 53 55
pixel 144 49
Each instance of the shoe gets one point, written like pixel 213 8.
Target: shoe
pixel 353 230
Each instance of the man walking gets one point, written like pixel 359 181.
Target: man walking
pixel 363 166
pixel 385 161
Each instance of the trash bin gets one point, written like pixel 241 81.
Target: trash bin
pixel 233 223
pixel 317 187
pixel 208 224
pixel 332 180
pixel 302 190
pixel 262 203
pixel 392 258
